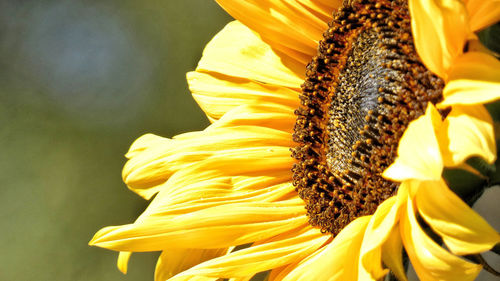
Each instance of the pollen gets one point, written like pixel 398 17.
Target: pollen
pixel 361 91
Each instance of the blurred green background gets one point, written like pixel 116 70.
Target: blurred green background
pixel 79 82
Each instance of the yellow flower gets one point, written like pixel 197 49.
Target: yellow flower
pixel 231 184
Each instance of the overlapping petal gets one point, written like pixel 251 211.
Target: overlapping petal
pixel 463 230
pixel 219 191
pixel 285 24
pixel 237 51
pixel 217 94
pixel 264 166
pixel 392 254
pixel 231 183
pixel 419 155
pixel 440 30
pixel 156 163
pixel 482 13
pixel 466 132
pixel 338 260
pixel 321 8
pixel 264 115
pixel 474 79
pixel 174 261
pixel 431 261
pixel 376 234
pixel 277 251
pixel 216 227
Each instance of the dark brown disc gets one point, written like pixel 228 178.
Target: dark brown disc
pixel 362 89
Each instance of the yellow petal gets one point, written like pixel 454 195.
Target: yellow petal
pixel 210 194
pixel 392 254
pixel 483 13
pixel 122 262
pixel 474 79
pixel 138 147
pixel 338 260
pixel 466 132
pixel 145 142
pixel 322 8
pixel 246 278
pixel 198 278
pixel 277 252
pixel 462 229
pixel 370 264
pixel 174 261
pixel 440 29
pixel 279 273
pixel 195 278
pixel 282 23
pixel 381 224
pixel 242 169
pixel 430 261
pixel 216 227
pixel 419 156
pixel 217 94
pixel 156 164
pixel 249 57
pixel 268 116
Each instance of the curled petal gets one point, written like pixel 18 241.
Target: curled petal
pixel 430 261
pixel 463 230
pixel 377 232
pixel 392 254
pixel 145 142
pixel 122 262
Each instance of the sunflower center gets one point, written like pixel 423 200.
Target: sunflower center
pixel 362 89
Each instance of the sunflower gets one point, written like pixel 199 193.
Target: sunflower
pixel 374 98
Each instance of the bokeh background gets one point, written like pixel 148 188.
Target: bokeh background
pixel 79 82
